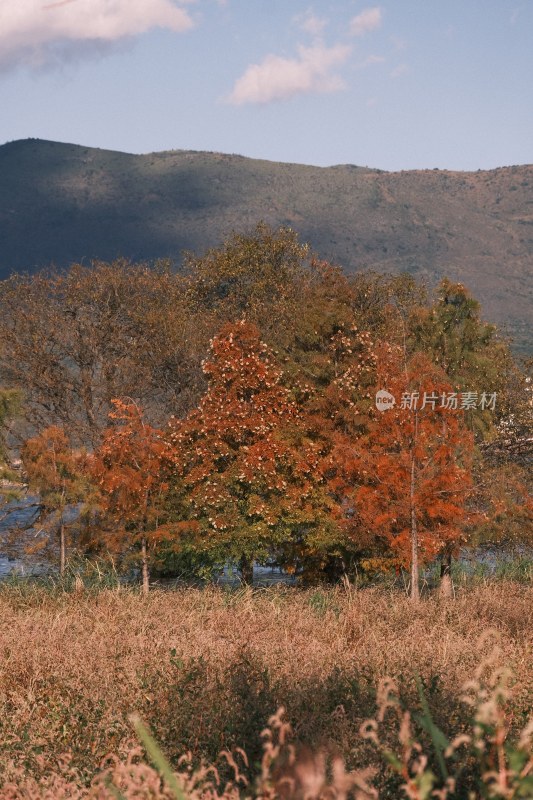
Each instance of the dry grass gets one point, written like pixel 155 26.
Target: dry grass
pixel 206 668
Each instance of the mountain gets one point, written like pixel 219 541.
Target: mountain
pixel 61 203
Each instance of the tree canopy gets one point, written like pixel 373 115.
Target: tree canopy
pixel 268 361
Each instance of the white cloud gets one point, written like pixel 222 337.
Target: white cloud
pixel 368 20
pixel 278 78
pixel 35 32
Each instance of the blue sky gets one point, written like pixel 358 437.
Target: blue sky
pixel 403 84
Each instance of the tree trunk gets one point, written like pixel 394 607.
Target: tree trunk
pixel 446 586
pixel 62 549
pixel 246 566
pixel 415 591
pixel 144 561
pixel 88 403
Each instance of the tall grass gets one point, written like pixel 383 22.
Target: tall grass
pixel 204 669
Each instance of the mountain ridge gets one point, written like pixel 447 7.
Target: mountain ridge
pixel 61 203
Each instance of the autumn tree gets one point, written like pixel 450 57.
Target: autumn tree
pixel 9 406
pixel 71 341
pixel 129 470
pixel 250 474
pixel 503 502
pixel 56 472
pixel 476 358
pixel 404 480
pixel 298 300
pixel 271 279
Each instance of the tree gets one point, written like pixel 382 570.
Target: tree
pixel 72 341
pixel 405 480
pixel 298 301
pixel 503 503
pixel 9 407
pixel 384 305
pixel 249 473
pixel 467 349
pixel 56 472
pixel 476 358
pixel 249 274
pixel 129 470
pixel 511 442
pixel 273 281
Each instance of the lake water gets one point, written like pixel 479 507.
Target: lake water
pixel 19 515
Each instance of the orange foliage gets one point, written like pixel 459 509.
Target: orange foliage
pixel 55 471
pixel 129 469
pixel 52 467
pixel 408 467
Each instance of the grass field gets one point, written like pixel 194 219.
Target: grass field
pixel 206 668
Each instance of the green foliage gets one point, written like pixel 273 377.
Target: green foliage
pixel 185 562
pixel 248 275
pixel 468 350
pixel 485 761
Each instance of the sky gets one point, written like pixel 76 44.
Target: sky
pixel 403 84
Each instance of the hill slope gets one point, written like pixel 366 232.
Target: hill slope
pixel 61 203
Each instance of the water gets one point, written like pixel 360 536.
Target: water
pixel 16 532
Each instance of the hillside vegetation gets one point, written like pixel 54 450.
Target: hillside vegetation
pixel 61 203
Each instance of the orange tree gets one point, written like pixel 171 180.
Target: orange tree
pixel 405 480
pixel 129 469
pixel 56 473
pixel 247 468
